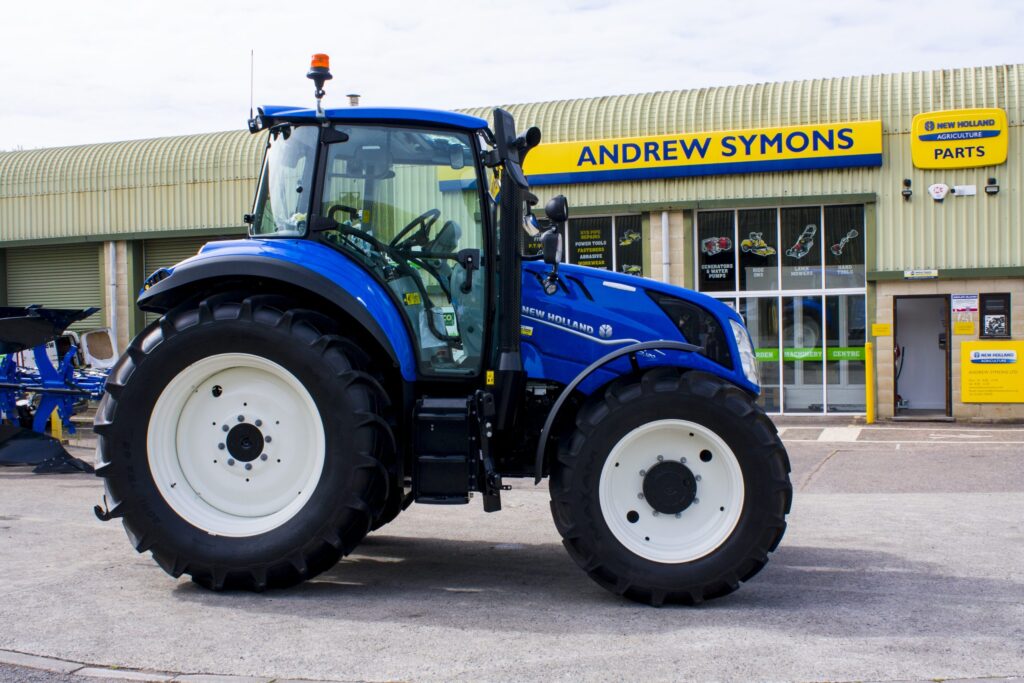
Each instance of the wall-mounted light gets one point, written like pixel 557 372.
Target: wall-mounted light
pixel 992 187
pixel 907 192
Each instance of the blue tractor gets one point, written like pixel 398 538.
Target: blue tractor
pixel 380 340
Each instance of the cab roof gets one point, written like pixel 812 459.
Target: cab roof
pixel 389 114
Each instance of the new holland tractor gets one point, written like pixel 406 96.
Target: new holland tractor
pixel 380 340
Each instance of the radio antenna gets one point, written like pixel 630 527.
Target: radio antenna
pixel 252 70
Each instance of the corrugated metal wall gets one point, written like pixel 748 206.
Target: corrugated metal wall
pixel 59 276
pixel 971 232
pixel 166 184
pixel 206 181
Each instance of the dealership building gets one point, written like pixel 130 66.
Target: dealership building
pixel 830 213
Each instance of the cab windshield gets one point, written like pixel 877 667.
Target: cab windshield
pixel 282 203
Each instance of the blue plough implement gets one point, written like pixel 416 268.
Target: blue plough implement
pixel 23 438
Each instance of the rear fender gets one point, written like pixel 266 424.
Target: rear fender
pixel 296 265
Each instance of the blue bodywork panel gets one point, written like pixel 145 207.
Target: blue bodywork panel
pixel 380 114
pixel 593 313
pixel 564 332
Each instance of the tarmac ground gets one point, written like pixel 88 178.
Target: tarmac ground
pixel 904 560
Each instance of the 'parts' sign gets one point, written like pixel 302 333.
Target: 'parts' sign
pixel 961 138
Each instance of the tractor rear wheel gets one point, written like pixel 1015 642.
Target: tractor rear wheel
pixel 673 488
pixel 242 443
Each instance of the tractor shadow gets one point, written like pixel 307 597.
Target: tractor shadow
pixel 537 588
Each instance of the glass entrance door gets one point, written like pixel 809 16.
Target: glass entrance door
pixel 797 276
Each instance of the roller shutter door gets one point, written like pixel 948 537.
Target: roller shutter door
pixel 166 252
pixel 61 276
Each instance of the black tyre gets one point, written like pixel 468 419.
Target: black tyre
pixel 673 488
pixel 242 444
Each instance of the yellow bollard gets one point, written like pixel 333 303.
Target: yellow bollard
pixel 56 426
pixel 869 381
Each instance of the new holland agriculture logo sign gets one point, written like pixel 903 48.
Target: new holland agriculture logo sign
pixel 962 138
pixel 791 148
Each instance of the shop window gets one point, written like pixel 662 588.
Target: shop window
pixel 844 246
pixel 800 242
pixel 716 259
pixel 759 249
pixel 761 316
pixel 590 242
pixel 802 354
pixel 844 352
pixel 629 245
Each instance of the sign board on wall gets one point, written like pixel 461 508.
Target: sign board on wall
pixel 963 307
pixel 992 372
pixel 788 148
pixel 959 138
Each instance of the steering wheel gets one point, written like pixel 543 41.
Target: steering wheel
pixel 354 213
pixel 425 221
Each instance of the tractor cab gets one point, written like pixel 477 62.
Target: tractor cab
pixel 406 199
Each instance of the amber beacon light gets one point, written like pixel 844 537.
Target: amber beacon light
pixel 319 73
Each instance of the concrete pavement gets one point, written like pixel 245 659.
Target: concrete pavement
pixel 904 560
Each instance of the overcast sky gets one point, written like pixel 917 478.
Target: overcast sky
pixel 83 72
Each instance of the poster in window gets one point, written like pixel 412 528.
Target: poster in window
pixel 800 244
pixel 629 245
pixel 759 250
pixel 716 257
pixel 590 242
pixel 844 246
pixel 531 243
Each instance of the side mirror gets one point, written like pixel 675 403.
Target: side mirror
pixel 551 244
pixel 456 158
pixel 557 209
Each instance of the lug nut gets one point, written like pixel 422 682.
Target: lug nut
pixel 661 458
pixel 221 446
pixel 248 465
pixel 241 418
pixel 682 460
pixel 640 496
pixel 654 513
pixel 225 428
pixel 267 439
pixel 263 457
pixel 259 423
pixel 696 501
pixel 231 462
pixel 643 473
pixel 678 515
pixel 697 477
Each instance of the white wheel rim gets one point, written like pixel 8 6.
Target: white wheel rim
pixel 193 467
pixel 692 533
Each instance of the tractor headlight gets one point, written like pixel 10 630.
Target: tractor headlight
pixel 746 348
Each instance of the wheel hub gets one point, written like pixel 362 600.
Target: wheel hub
pixel 245 442
pixel 670 487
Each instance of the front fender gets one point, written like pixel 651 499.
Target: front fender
pixel 302 264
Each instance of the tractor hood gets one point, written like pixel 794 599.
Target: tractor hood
pixel 596 311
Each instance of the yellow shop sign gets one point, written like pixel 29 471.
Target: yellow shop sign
pixel 992 372
pixel 960 138
pixel 790 148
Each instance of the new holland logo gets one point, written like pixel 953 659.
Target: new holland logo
pixel 605 331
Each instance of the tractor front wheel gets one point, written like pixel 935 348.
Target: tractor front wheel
pixel 673 488
pixel 242 443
